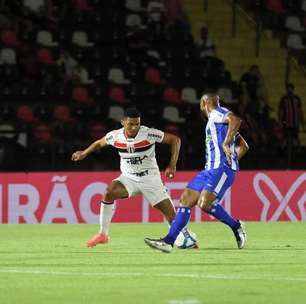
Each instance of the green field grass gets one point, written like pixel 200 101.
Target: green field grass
pixel 50 264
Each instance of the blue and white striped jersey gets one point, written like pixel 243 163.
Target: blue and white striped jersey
pixel 216 130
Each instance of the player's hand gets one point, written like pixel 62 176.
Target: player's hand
pixel 78 155
pixel 228 154
pixel 170 171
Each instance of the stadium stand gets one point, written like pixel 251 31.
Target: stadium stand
pixel 69 68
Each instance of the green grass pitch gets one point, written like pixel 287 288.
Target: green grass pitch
pixel 50 264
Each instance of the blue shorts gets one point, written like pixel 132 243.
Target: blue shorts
pixel 216 181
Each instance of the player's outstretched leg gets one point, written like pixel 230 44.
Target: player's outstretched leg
pixel 106 213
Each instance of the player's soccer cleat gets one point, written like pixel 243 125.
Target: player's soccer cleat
pixel 159 244
pixel 240 235
pixel 99 238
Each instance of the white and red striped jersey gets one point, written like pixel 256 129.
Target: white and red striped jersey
pixel 137 155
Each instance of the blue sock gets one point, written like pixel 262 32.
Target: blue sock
pixel 221 214
pixel 180 221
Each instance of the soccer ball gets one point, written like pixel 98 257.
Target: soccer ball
pixel 186 239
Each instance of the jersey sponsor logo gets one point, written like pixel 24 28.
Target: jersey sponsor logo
pixel 152 135
pixel 141 174
pixel 137 160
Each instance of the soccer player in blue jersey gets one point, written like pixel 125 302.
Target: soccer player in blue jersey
pixel 224 147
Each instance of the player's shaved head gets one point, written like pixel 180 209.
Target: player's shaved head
pixel 209 102
pixel 213 98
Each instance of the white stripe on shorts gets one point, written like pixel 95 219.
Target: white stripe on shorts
pixel 221 182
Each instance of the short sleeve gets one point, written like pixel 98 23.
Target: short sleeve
pixel 218 116
pixel 155 135
pixel 110 138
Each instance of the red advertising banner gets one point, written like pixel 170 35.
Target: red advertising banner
pixel 65 197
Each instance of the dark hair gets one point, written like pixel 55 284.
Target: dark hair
pixel 131 113
pixel 290 86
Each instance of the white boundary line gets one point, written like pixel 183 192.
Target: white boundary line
pixel 159 275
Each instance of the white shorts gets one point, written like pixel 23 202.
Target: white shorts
pixel 152 189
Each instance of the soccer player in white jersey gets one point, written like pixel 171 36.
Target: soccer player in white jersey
pixel 224 147
pixel 139 170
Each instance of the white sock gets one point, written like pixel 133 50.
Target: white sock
pixel 106 213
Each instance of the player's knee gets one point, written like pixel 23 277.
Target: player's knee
pixel 185 200
pixel 110 193
pixel 204 204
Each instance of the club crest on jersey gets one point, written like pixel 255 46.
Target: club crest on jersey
pixel 130 148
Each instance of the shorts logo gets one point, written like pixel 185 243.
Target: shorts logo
pixel 283 201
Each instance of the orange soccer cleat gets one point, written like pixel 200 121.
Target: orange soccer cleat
pixel 99 238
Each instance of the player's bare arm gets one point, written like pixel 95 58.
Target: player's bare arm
pixel 242 147
pixel 80 155
pixel 175 143
pixel 234 123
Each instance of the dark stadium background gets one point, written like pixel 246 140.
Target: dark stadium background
pixel 69 68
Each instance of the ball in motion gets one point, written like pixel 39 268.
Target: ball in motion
pixel 186 239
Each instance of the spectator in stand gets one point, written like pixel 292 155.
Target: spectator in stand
pixel 253 81
pixel 205 44
pixel 291 116
pixel 156 16
pixel 67 63
pixel 80 75
pixel 173 9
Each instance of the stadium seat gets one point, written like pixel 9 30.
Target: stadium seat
pixel 43 133
pixel 153 76
pixel 9 38
pixel 80 38
pixel 34 5
pixel 82 5
pixel 7 130
pixel 97 131
pixel 80 95
pixel 116 113
pixel 294 41
pixel 7 55
pixel 171 113
pixel 133 5
pixel 172 129
pixel 171 96
pixel 117 95
pixel 25 114
pixel 116 75
pixel 45 38
pixel 275 6
pixel 45 56
pixel 293 23
pixel 133 20
pixel 189 95
pixel 226 95
pixel 62 113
